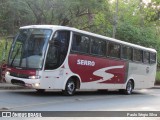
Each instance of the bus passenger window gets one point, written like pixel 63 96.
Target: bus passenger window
pixel 80 43
pixel 98 47
pixel 126 52
pixel 152 58
pixel 114 50
pixel 137 55
pixel 146 57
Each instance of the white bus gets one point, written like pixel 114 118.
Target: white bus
pixel 57 57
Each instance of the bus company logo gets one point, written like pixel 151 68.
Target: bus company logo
pixel 85 62
pixel 106 76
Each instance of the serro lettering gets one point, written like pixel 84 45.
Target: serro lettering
pixel 85 62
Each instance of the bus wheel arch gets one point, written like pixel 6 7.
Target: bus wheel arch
pixel 71 85
pixel 77 81
pixel 128 87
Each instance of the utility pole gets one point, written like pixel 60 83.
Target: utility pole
pixel 141 13
pixel 115 20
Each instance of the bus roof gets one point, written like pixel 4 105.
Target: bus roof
pixel 57 27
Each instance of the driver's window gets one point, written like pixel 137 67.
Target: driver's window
pixel 52 58
pixel 58 49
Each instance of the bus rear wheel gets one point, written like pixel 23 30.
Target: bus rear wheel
pixel 70 88
pixel 129 88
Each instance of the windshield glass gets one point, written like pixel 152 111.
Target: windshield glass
pixel 28 48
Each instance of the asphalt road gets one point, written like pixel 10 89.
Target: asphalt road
pixel 29 100
pixel 142 100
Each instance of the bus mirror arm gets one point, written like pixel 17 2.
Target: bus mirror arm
pixel 51 42
pixel 54 42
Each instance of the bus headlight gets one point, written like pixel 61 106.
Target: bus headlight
pixel 36 84
pixel 35 77
pixel 7 73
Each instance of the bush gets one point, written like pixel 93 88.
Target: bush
pixel 158 77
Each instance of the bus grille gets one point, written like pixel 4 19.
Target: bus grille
pixel 19 75
pixel 17 82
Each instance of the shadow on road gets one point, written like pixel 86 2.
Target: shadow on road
pixel 78 93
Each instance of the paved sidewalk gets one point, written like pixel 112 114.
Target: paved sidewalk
pixel 10 86
pixel 156 87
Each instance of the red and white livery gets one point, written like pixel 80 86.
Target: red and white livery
pixel 57 57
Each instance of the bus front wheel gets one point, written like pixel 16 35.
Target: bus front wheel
pixel 70 88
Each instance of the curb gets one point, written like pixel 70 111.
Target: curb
pixel 156 87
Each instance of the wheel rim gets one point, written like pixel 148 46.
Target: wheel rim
pixel 129 87
pixel 71 87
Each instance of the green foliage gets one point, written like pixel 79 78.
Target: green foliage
pixel 158 76
pixel 4 48
pixel 138 35
pixel 136 22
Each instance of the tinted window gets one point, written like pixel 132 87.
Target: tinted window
pixel 80 43
pixel 137 55
pixel 152 58
pixel 57 50
pixel 98 47
pixel 126 52
pixel 146 57
pixel 114 50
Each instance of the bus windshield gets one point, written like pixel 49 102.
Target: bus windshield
pixel 28 48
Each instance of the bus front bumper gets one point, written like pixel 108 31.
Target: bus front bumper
pixel 30 83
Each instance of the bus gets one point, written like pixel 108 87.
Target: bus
pixel 53 57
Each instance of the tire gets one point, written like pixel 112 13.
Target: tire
pixel 70 88
pixel 129 88
pixel 40 91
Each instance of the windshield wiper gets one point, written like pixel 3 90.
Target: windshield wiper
pixel 15 55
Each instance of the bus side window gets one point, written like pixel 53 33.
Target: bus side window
pixel 126 52
pixel 137 55
pixel 152 58
pixel 76 42
pixel 145 57
pixel 80 43
pixel 94 46
pixel 98 47
pixel 114 50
